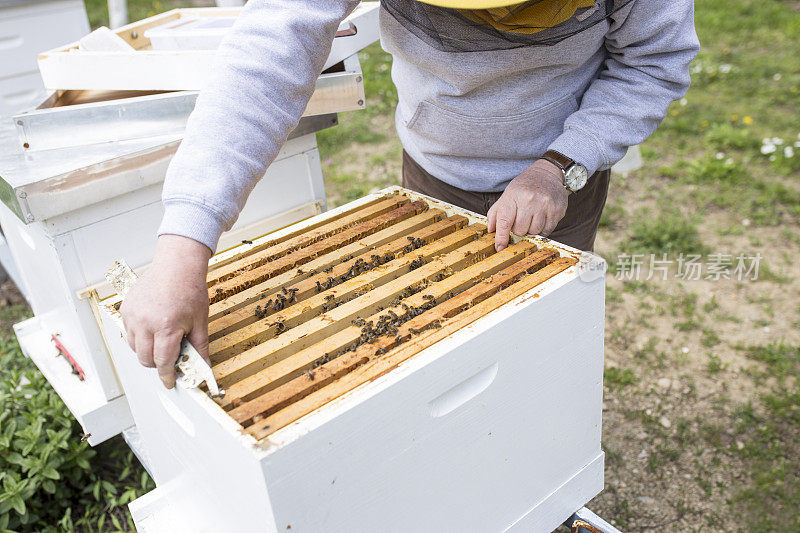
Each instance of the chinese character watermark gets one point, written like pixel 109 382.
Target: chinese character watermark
pixel 688 267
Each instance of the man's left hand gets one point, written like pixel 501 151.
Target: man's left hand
pixel 533 203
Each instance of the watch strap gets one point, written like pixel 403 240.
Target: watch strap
pixel 558 159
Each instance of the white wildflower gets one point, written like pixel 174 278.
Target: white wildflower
pixel 767 148
pixel 684 101
pixel 788 152
pixel 797 144
pixel 729 161
pixel 777 77
pixel 772 157
pixel 720 155
pixel 725 68
pixel 777 140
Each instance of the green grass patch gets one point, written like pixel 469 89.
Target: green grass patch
pixel 616 378
pixel 781 359
pixel 771 437
pixel 668 232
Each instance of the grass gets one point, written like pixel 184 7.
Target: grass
pixel 668 232
pixel 616 378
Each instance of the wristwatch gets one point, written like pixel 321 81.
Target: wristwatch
pixel 575 174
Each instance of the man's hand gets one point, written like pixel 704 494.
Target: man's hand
pixel 168 302
pixel 534 202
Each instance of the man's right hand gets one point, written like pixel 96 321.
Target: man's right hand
pixel 168 302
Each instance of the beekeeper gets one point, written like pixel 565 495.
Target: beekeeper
pixel 515 110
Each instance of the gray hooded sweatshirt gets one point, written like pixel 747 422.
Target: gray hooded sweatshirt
pixel 474 120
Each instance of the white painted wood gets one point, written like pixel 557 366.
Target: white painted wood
pixel 97 224
pixel 478 468
pixel 19 92
pixel 68 67
pixel 27 28
pixel 583 486
pixel 497 427
pixel 99 417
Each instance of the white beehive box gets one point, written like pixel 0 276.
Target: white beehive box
pixel 80 183
pixel 495 426
pixel 142 67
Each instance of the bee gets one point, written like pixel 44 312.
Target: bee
pixel 245 241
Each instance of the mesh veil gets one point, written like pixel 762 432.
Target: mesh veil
pixel 457 30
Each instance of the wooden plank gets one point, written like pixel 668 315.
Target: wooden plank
pixel 364 365
pixel 305 238
pixel 299 256
pixel 277 222
pixel 285 394
pixel 251 294
pixel 241 339
pixel 304 360
pixel 266 304
pixel 315 329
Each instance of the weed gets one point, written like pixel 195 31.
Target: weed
pixel 715 365
pixel 781 359
pixel 669 233
pixel 710 338
pixel 617 378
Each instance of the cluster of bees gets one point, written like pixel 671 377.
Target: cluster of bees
pixel 414 243
pixel 359 267
pixel 278 303
pixel 388 324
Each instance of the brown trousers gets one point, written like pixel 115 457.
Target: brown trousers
pixel 578 228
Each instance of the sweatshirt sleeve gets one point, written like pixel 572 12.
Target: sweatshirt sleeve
pixel 264 74
pixel 649 48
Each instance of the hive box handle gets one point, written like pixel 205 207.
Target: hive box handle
pixel 460 394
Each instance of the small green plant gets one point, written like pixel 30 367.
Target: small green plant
pixel 616 378
pixel 710 338
pixel 49 479
pixel 715 364
pixel 781 359
pixel 612 217
pixel 731 136
pixel 669 233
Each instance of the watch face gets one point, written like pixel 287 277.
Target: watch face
pixel 576 177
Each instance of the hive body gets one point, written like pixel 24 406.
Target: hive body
pixel 386 370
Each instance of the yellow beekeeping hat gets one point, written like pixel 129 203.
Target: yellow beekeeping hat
pixel 471 4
